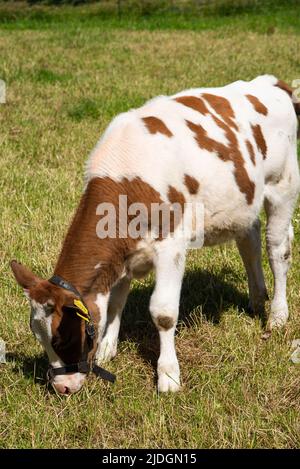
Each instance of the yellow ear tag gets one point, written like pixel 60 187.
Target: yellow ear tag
pixel 82 308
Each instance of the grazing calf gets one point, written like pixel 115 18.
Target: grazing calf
pixel 230 150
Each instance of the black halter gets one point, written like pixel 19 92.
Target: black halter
pixel 84 366
pixel 81 367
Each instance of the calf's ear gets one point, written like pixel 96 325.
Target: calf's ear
pixel 24 276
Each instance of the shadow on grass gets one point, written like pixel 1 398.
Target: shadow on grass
pixel 200 289
pixel 33 368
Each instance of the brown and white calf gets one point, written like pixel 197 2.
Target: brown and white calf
pixel 231 149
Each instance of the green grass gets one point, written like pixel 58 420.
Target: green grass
pixel 258 15
pixel 65 81
pixel 85 108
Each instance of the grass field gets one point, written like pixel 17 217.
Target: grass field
pixel 66 79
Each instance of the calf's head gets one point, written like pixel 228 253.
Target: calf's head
pixel 57 327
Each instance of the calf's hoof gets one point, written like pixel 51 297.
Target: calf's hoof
pixel 278 317
pixel 106 353
pixel 168 378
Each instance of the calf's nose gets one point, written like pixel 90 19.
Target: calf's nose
pixel 61 388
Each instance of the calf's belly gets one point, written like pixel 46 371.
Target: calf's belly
pixel 228 226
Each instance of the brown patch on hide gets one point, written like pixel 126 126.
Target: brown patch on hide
pixel 164 323
pixel 83 249
pixel 194 103
pixel 251 151
pixel 176 197
pixel 230 152
pixel 259 139
pixel 192 184
pixel 222 107
pixel 155 125
pixel 257 104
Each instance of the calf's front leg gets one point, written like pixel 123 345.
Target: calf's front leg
pixel 164 308
pixel 108 341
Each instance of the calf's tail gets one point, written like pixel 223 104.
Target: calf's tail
pixel 291 92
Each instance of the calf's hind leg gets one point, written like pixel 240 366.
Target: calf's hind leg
pixel 280 200
pixel 279 244
pixel 249 245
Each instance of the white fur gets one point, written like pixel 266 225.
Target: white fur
pixel 40 323
pixel 107 348
pixel 101 303
pixel 128 149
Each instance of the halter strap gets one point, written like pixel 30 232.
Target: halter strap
pixel 80 367
pixel 60 282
